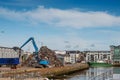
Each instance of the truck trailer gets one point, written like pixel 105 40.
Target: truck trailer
pixel 8 56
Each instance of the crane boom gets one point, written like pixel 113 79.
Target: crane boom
pixel 33 42
pixel 40 61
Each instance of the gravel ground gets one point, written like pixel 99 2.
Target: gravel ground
pixel 25 79
pixel 24 76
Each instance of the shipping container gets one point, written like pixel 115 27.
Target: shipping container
pixel 8 56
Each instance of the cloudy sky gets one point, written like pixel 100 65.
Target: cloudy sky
pixel 60 24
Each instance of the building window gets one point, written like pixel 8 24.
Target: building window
pixel 104 56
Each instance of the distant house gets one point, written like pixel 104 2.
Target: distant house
pixel 67 58
pixel 72 57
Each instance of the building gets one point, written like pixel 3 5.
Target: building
pixel 60 55
pixel 61 58
pixel 98 56
pixel 72 57
pixel 115 51
pixel 67 59
pixel 60 52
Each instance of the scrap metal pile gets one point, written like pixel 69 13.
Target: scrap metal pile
pixel 44 53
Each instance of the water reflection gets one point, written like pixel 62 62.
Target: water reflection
pixel 101 73
pixel 116 73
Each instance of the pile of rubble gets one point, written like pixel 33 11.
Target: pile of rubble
pixel 44 53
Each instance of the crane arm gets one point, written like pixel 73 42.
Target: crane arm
pixel 33 42
pixel 40 61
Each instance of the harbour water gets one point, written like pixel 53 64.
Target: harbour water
pixel 100 73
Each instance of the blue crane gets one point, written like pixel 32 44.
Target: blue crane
pixel 33 42
pixel 40 61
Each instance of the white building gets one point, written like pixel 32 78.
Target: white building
pixel 71 57
pixel 95 56
pixel 60 52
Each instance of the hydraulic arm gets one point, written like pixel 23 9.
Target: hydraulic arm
pixel 40 61
pixel 33 42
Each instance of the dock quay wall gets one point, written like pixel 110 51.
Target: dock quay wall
pixel 47 72
pixel 52 72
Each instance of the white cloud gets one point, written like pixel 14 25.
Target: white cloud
pixel 59 43
pixel 62 18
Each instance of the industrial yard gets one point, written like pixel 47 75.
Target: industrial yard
pixel 40 65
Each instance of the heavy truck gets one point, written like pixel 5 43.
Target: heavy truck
pixel 8 57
